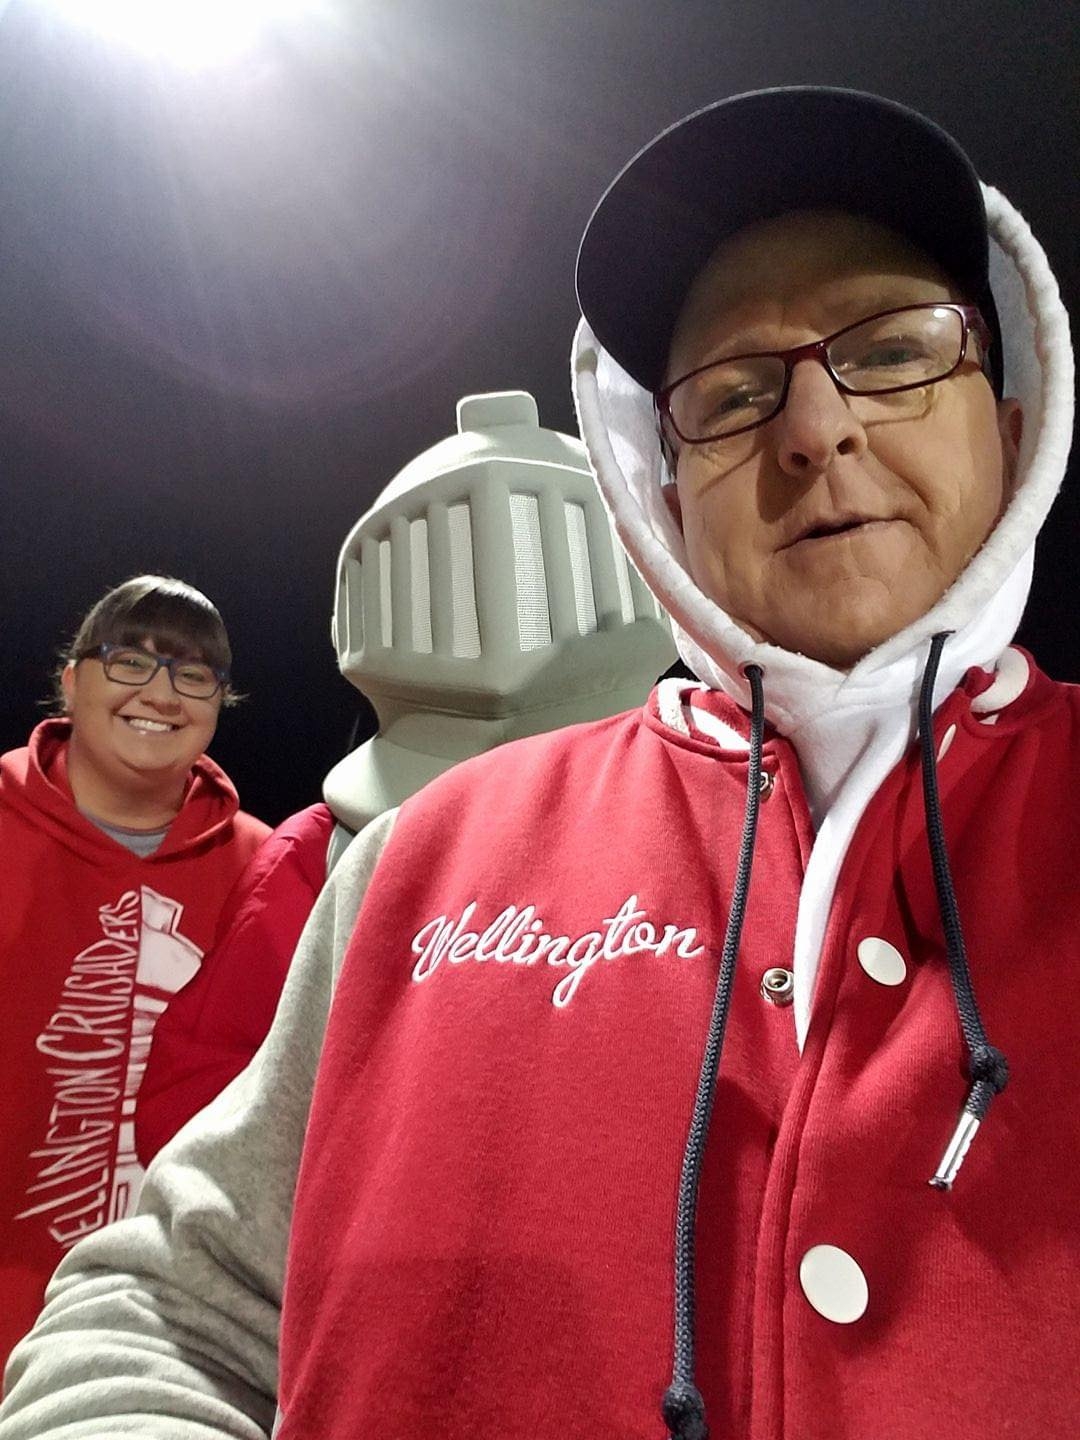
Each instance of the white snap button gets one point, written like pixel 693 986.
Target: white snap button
pixel 946 741
pixel 766 781
pixel 834 1284
pixel 882 961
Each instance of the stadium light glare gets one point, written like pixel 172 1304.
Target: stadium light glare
pixel 187 32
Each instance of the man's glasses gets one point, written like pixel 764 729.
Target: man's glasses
pixel 131 665
pixel 885 354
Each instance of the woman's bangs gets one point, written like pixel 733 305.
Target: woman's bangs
pixel 175 625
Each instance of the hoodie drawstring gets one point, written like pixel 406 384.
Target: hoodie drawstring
pixel 987 1068
pixel 682 1406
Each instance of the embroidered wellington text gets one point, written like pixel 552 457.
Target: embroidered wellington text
pixel 518 936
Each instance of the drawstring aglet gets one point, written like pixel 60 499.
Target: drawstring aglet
pixel 989 1071
pixel 957 1148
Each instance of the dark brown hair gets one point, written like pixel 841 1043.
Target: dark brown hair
pixel 176 617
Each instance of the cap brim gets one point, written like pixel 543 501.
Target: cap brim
pixel 755 156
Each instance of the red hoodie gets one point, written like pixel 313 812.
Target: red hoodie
pixel 93 941
pixel 215 1025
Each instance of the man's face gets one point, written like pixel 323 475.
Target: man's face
pixel 844 518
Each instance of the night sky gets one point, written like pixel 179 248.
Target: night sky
pixel 236 298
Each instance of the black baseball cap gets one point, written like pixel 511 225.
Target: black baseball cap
pixel 755 156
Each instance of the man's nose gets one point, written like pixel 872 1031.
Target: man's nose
pixel 817 423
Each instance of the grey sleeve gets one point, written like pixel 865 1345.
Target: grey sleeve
pixel 165 1325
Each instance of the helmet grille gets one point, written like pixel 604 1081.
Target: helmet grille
pixel 580 567
pixel 534 619
pixel 421 587
pixel 466 627
pixel 386 616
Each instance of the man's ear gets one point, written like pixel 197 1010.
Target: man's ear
pixel 1010 416
pixel 670 491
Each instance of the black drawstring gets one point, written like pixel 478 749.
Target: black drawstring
pixel 682 1406
pixel 988 1070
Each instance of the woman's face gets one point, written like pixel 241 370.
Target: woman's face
pixel 144 733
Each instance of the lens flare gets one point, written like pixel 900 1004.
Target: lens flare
pixel 186 32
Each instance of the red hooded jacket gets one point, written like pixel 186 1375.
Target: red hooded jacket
pixel 93 942
pixel 483 1231
pixel 220 1018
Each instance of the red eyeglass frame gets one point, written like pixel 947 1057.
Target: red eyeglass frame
pixel 971 321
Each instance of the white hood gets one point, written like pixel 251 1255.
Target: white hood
pixel 850 729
